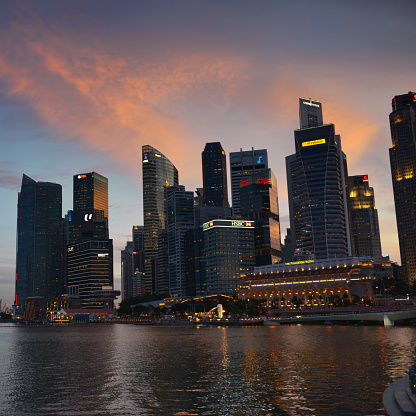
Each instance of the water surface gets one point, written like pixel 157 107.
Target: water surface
pixel 100 369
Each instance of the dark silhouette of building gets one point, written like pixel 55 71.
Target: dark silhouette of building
pixel 180 210
pixel 259 203
pixel 158 173
pixel 365 233
pixel 214 176
pixel 138 261
pixel 242 165
pixel 403 170
pixel 132 265
pixel 39 256
pixel 127 271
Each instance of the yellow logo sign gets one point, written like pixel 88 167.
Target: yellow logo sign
pixel 313 142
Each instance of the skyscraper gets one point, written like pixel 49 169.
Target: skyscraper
pixel 214 175
pixel 365 233
pixel 180 210
pixel 229 254
pixel 127 272
pixel 310 113
pixel 138 261
pixel 158 173
pixel 316 186
pixel 39 256
pixel 242 165
pixel 403 170
pixel 259 203
pixel 90 250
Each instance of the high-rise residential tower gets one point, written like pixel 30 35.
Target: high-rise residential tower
pixel 158 173
pixel 365 233
pixel 316 191
pixel 39 257
pixel 403 170
pixel 242 165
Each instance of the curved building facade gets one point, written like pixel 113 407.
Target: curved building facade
pixel 158 173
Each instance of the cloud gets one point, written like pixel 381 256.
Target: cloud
pixel 107 102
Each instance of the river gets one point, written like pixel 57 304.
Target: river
pixel 113 369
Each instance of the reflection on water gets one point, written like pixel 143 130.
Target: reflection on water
pixel 138 370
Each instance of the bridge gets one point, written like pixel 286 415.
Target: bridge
pixel 386 317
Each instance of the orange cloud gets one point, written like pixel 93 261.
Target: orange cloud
pixel 111 103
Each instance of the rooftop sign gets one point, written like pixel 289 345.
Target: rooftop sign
pixel 313 142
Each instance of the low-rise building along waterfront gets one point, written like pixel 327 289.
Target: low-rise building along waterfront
pixel 315 283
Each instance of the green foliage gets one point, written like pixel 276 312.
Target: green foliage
pixel 4 315
pixel 125 305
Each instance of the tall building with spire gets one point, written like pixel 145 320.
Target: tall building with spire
pixel 39 247
pixel 158 173
pixel 403 170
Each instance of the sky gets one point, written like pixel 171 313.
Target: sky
pixel 85 84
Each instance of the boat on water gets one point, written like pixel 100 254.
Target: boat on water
pixel 144 323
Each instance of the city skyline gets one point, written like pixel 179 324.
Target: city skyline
pixel 204 73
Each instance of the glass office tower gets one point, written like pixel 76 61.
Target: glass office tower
pixel 39 257
pixel 158 173
pixel 90 250
pixel 259 203
pixel 316 187
pixel 242 165
pixel 214 176
pixel 229 254
pixel 403 170
pixel 180 210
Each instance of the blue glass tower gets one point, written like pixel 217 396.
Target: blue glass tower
pixel 39 257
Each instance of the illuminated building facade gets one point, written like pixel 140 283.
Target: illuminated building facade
pixel 259 204
pixel 158 173
pixel 242 165
pixel 39 246
pixel 89 217
pixel 316 190
pixel 403 168
pixel 228 252
pixel 90 250
pixel 180 212
pixel 314 283
pixel 90 268
pixel 365 233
